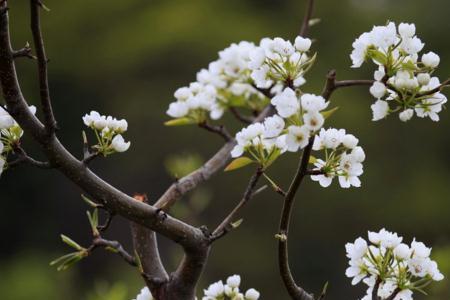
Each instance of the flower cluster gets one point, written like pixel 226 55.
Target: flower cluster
pixel 343 158
pixel 226 83
pixel 277 60
pixel 289 130
pixel 216 291
pixel 396 268
pixel 229 291
pixel 10 134
pixel 234 79
pixel 108 131
pixel 403 83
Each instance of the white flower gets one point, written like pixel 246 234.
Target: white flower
pixel 6 121
pixel 433 271
pixel 418 266
pixel 407 30
pixel 356 270
pixel 260 76
pixel 358 154
pixel 297 137
pixel 378 89
pixel 360 46
pixel 385 238
pixel 215 290
pixel 145 294
pixel 302 44
pixel 380 109
pixel 412 45
pixel 273 126
pixel 324 179
pixel 313 120
pixel 286 103
pixel 237 151
pixel 183 93
pixel 257 58
pixel 351 170
pixel 234 281
pixel 119 144
pixel 423 78
pixel 357 250
pixel 349 141
pixel 406 115
pixel 431 60
pixel 312 102
pixel 178 109
pixel 252 294
pixel 402 251
pixel 384 36
pixel 420 250
pixel 330 138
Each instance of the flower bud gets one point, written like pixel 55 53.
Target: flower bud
pixel 431 60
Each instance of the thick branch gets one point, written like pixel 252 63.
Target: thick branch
pixel 226 226
pixel 307 17
pixel 49 118
pixel 213 165
pixel 146 247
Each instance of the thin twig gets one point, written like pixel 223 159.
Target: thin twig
pixel 295 291
pixel 332 84
pixel 307 17
pixel 394 294
pixel 47 108
pixel 24 52
pixel 225 226
pixel 435 90
pixel 244 119
pixel 109 218
pixel 376 288
pixel 220 130
pixel 116 247
pixel 23 157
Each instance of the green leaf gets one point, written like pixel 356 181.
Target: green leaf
pixel 237 223
pixel 326 114
pixel 89 201
pixel 93 221
pixel 179 122
pixel 312 159
pixel 238 163
pixel 377 56
pixel 71 242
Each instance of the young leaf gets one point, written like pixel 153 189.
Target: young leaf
pixel 236 224
pixel 312 159
pixel 238 163
pixel 89 201
pixel 71 242
pixel 179 122
pixel 326 114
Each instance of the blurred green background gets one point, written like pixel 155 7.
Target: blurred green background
pixel 126 58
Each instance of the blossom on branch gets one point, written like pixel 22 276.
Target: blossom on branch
pixel 392 267
pixel 403 81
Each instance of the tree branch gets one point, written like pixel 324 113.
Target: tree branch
pixel 49 118
pixel 213 165
pixel 225 226
pixel 376 288
pixel 115 246
pixel 435 90
pixel 24 158
pixel 220 130
pixel 244 119
pixel 332 84
pixel 394 294
pixel 24 52
pixel 307 17
pixel 295 291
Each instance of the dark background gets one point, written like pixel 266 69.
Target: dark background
pixel 126 58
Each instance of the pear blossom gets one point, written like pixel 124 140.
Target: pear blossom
pixel 252 294
pixel 229 291
pixel 431 60
pixel 119 145
pixel 286 103
pixel 297 137
pixel 397 267
pixel 401 76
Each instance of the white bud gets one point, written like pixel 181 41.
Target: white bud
pixel 406 115
pixel 252 294
pixel 302 44
pixel 431 60
pixel 423 78
pixel 402 251
pixel 119 145
pixel 378 89
pixel 234 281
